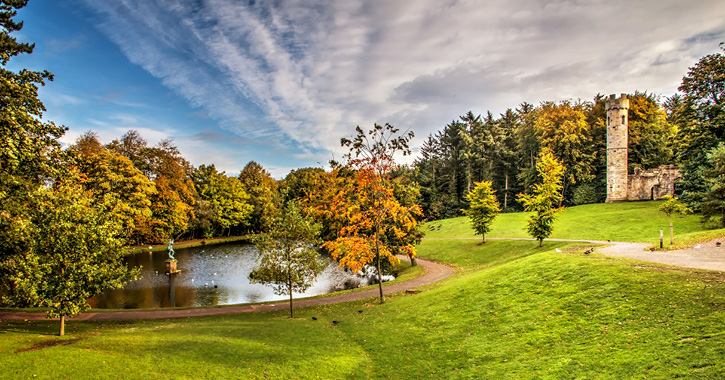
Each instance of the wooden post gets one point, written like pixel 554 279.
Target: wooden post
pixel 62 325
pixel 662 235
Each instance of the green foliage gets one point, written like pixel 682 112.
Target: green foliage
pixel 542 201
pixel 714 193
pixel 483 208
pixel 288 260
pixel 225 198
pixel 73 256
pixel 585 193
pixel 672 206
pixel 700 115
pixel 29 146
pixel 263 194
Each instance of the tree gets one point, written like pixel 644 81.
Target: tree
pixel 542 202
pixel 116 183
pixel 714 193
pixel 29 146
pixel 288 258
pixel 225 196
pixel 670 207
pixel 74 254
pixel 483 208
pixel 563 129
pixel 262 190
pixel 701 117
pixel 651 137
pixel 369 205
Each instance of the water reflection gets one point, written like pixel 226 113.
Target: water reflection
pixel 214 275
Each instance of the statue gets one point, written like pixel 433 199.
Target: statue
pixel 170 248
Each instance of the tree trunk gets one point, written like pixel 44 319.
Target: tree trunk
pixel 484 237
pixel 412 261
pixel 672 232
pixel 377 255
pixel 62 325
pixel 541 243
pixel 563 189
pixel 506 193
pixel 289 284
pixel 291 307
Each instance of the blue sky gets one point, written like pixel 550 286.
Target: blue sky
pixel 280 82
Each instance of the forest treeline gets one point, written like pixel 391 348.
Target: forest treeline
pixel 158 194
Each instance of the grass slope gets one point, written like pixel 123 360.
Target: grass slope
pixel 531 314
pixel 627 221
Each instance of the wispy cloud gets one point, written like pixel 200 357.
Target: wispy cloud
pixel 304 73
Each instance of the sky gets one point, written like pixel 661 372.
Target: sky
pixel 280 82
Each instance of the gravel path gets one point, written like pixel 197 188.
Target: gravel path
pixel 433 272
pixel 707 256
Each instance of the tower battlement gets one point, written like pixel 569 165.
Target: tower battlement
pixel 617 103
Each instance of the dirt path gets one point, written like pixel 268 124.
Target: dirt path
pixel 707 256
pixel 433 272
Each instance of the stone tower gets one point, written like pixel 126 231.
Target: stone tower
pixel 617 144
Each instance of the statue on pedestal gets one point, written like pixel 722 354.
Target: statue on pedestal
pixel 170 248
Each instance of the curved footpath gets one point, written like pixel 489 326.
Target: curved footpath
pixel 707 256
pixel 433 272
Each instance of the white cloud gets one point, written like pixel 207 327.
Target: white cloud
pixel 306 72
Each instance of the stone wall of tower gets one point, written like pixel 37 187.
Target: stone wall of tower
pixel 617 145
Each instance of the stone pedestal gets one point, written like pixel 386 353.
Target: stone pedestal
pixel 171 266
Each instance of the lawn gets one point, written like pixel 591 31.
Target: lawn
pixel 512 311
pixel 627 221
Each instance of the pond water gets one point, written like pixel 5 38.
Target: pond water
pixel 212 275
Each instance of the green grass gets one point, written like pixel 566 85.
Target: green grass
pixel 189 244
pixel 627 221
pixel 511 312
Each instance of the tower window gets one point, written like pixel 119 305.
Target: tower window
pixel 623 119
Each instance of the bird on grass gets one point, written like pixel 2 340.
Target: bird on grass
pixel 360 311
pixel 588 251
pixel 697 246
pixel 335 322
pixel 557 250
pixel 314 318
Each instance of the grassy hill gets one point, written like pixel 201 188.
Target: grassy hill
pixel 513 311
pixel 628 221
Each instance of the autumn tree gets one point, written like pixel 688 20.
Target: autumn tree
pixel 114 182
pixel 263 193
pixel 74 254
pixel 483 208
pixel 288 258
pixel 542 201
pixel 369 205
pixel 563 129
pixel 173 204
pixel 651 136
